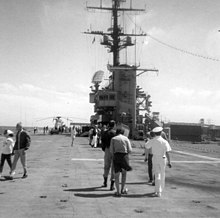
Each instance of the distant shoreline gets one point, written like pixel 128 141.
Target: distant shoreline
pixel 13 129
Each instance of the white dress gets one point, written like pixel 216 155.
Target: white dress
pixel 73 133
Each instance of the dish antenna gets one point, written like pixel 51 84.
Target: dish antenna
pixel 97 79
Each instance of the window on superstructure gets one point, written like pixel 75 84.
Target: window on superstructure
pixel 112 97
pixel 105 97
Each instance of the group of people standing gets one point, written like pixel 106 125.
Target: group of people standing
pixel 95 136
pixel 117 147
pixel 17 149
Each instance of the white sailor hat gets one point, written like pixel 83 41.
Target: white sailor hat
pixel 157 129
pixel 8 132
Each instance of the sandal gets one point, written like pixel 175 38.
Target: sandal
pixel 156 194
pixel 117 194
pixel 124 192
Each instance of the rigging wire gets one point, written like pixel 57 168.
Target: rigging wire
pixel 182 50
pixel 135 52
pixel 124 26
pixel 173 47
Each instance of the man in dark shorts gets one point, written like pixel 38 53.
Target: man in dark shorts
pixel 120 147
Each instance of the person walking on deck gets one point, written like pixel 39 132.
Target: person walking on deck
pixel 160 150
pixel 22 144
pixel 120 147
pixel 7 149
pixel 106 137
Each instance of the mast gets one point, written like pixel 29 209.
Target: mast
pixel 115 34
pixel 115 44
pixel 123 78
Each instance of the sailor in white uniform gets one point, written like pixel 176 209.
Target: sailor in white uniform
pixel 160 150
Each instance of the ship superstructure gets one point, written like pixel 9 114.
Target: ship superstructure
pixel 121 100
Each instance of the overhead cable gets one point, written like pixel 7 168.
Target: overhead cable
pixel 173 47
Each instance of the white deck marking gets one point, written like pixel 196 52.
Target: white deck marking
pixel 209 160
pixel 196 155
pixel 86 159
pixel 195 161
pixel 187 161
pixel 173 161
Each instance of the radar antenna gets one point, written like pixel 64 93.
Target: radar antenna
pixel 97 79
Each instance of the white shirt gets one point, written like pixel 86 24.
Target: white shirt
pixel 8 145
pixel 73 133
pixel 159 146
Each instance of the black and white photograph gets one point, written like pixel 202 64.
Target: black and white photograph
pixel 109 108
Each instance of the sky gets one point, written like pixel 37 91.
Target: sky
pixel 47 63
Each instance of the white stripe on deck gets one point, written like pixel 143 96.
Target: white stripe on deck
pixel 188 161
pixel 86 159
pixel 210 160
pixel 195 161
pixel 173 161
pixel 197 155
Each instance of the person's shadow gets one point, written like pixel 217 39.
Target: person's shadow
pixel 8 178
pixel 148 195
pixel 91 189
pixel 102 195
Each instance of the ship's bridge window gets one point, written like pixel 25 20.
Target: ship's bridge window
pixel 105 97
pixel 111 97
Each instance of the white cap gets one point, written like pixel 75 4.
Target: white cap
pixel 157 129
pixel 9 132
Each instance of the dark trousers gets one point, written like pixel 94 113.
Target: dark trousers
pixel 3 158
pixel 150 167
